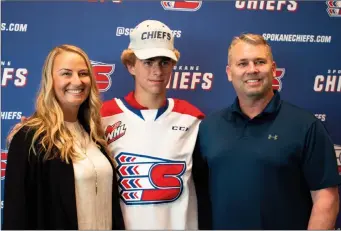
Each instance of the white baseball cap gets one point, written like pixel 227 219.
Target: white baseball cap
pixel 152 38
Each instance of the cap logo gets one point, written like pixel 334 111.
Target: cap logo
pixel 155 35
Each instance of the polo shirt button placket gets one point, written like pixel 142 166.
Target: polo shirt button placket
pixel 245 130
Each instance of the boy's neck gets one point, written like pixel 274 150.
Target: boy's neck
pixel 150 101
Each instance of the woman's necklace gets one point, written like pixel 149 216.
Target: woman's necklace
pixel 83 149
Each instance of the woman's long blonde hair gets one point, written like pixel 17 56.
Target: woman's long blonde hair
pixel 48 120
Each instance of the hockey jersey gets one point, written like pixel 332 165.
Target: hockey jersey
pixel 152 149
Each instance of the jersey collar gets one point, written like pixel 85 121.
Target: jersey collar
pixel 131 103
pixel 131 100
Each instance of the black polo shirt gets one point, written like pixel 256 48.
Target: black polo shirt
pixel 261 170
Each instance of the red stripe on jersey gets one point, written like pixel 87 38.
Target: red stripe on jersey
pixel 131 100
pixel 184 107
pixel 110 108
pixel 160 194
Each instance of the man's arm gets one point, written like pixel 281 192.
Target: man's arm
pixel 325 208
pixel 200 173
pixel 321 173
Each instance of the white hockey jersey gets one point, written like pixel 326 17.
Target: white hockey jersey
pixel 153 155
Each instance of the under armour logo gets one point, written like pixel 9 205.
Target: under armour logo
pixel 275 137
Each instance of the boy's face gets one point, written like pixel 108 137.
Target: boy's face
pixel 152 75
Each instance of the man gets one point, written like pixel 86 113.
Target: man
pixel 271 164
pixel 152 138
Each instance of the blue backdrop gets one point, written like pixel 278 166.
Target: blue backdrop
pixel 305 38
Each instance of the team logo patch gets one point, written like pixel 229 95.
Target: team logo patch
pixel 334 8
pixel 338 156
pixel 102 72
pixel 149 180
pixel 181 5
pixel 3 163
pixel 277 82
pixel 114 132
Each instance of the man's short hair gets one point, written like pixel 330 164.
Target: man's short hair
pixel 254 39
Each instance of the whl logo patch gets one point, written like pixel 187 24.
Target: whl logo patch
pixel 149 180
pixel 114 132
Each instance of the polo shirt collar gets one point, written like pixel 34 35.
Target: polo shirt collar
pixel 271 108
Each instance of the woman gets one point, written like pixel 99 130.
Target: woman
pixel 58 174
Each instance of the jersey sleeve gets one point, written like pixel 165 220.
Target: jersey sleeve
pixel 110 108
pixel 319 159
pixel 184 107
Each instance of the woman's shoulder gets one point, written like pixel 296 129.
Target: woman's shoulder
pixel 24 134
pixel 22 139
pixel 19 148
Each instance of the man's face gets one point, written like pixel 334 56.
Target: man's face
pixel 251 70
pixel 152 75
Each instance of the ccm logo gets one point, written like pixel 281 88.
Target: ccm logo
pixel 178 128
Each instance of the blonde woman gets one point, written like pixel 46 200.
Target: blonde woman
pixel 58 174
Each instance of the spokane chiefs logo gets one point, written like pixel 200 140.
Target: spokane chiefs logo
pixel 102 72
pixel 277 82
pixel 334 8
pixel 181 5
pixel 3 163
pixel 149 180
pixel 338 156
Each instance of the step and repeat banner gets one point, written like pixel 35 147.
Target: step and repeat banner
pixel 305 37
